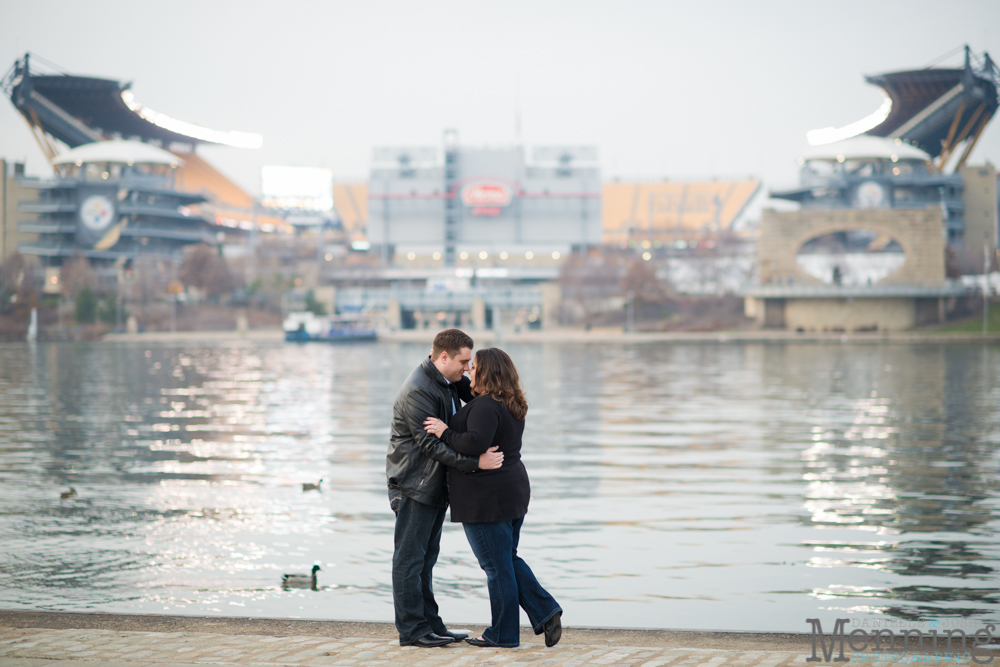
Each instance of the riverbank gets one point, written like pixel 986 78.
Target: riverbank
pixel 32 638
pixel 596 336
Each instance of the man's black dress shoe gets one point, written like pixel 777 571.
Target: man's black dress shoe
pixel 455 636
pixel 430 640
pixel 553 630
pixel 475 641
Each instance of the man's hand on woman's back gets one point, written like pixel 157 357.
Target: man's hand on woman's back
pixel 491 459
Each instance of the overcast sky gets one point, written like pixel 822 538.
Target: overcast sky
pixel 663 89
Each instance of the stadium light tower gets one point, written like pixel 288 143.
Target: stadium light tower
pixel 451 202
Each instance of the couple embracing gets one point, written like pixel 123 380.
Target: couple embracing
pixel 441 451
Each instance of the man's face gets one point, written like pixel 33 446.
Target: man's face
pixel 453 367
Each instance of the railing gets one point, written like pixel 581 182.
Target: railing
pixel 46 207
pixel 45 228
pixel 950 288
pixel 158 212
pixel 425 272
pixel 173 235
pixel 412 299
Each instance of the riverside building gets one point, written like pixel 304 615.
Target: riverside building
pixel 470 236
pixel 464 206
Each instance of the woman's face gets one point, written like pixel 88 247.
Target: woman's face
pixel 472 373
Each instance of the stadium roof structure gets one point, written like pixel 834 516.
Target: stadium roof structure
pixel 673 211
pixel 90 114
pixel 865 147
pixel 350 201
pixel 78 110
pixel 118 151
pixel 934 109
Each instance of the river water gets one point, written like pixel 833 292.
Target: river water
pixel 715 486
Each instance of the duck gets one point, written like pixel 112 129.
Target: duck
pixel 299 580
pixel 68 494
pixel 309 486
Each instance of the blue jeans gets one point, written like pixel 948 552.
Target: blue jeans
pixel 417 543
pixel 509 581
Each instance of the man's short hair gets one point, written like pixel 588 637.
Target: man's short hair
pixel 450 341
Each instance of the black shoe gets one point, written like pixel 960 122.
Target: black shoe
pixel 475 641
pixel 430 640
pixel 455 636
pixel 553 630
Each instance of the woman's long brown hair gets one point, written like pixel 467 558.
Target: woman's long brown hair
pixel 497 377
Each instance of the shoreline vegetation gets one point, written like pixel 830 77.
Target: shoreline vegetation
pixel 596 335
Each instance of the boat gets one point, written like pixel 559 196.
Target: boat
pixel 305 326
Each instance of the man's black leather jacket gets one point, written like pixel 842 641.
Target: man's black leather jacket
pixel 416 462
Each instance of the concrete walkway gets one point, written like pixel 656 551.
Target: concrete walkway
pixel 42 639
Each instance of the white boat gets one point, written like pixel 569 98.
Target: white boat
pixel 305 326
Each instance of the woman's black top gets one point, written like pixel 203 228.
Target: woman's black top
pixel 487 495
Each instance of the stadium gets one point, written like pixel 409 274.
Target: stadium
pixel 131 182
pixel 890 211
pixel 421 208
pixel 912 152
pixel 454 232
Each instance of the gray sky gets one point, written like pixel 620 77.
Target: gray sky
pixel 664 89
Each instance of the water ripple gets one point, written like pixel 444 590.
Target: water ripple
pixel 718 486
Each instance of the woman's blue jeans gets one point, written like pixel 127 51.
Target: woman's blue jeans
pixel 510 582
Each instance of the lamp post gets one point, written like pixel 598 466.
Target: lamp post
pixel 986 284
pixel 630 313
pixel 173 289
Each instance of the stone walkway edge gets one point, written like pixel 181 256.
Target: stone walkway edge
pixel 122 640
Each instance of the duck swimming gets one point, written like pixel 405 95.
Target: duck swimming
pixel 300 580
pixel 68 494
pixel 308 486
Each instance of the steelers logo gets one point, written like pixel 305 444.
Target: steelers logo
pixel 97 212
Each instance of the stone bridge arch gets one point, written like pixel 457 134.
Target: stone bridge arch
pixel 918 231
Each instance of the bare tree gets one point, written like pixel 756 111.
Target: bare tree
pixel 965 261
pixel 19 291
pixel 75 275
pixel 589 286
pixel 640 280
pixel 204 269
pixel 147 280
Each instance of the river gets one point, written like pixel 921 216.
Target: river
pixel 700 486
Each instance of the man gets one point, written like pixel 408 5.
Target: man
pixel 415 467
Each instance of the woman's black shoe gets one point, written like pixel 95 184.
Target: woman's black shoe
pixel 553 630
pixel 475 641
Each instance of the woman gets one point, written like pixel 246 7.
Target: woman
pixel 491 504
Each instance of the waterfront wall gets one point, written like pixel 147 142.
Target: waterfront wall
pixel 850 314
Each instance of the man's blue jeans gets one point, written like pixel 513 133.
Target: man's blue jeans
pixel 509 580
pixel 417 543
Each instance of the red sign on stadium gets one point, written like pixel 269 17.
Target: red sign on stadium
pixel 486 194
